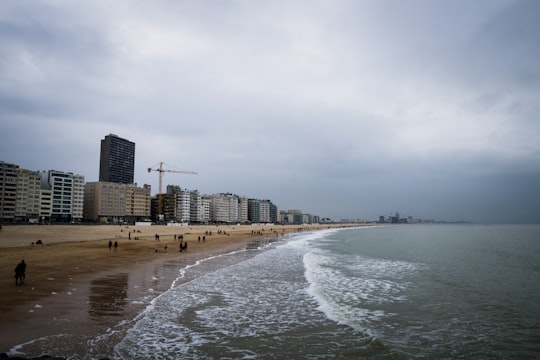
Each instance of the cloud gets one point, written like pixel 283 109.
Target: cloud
pixel 343 108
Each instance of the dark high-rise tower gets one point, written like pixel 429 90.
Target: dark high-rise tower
pixel 117 161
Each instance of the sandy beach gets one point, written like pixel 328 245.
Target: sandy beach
pixel 76 284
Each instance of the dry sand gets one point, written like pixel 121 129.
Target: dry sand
pixel 75 258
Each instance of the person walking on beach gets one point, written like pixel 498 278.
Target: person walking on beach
pixel 110 245
pixel 20 273
pixel 115 245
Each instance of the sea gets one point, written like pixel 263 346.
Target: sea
pixel 419 291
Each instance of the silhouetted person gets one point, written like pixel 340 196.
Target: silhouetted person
pixel 115 245
pixel 110 245
pixel 20 275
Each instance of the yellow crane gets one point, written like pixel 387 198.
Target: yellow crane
pixel 161 170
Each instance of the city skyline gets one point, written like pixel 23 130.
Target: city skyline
pixel 54 196
pixel 346 109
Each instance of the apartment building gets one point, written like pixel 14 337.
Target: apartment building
pixel 183 202
pixel 199 208
pixel 225 208
pixel 8 191
pixel 106 202
pixel 27 205
pixel 243 209
pixel 67 190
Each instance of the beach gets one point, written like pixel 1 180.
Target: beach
pixel 76 284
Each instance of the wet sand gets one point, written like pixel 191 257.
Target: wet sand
pixel 76 286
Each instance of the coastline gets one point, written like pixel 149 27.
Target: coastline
pixel 75 285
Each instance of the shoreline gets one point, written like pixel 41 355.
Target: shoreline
pixel 76 285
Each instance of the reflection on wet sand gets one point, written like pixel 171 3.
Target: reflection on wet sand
pixel 108 296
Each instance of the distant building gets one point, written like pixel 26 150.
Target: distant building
pixel 117 160
pixel 8 191
pixel 254 210
pixel 243 207
pixel 199 208
pixel 28 195
pixel 183 202
pixel 67 195
pixel 292 217
pixel 111 203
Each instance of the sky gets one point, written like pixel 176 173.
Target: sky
pixel 342 109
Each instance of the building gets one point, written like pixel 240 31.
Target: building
pixel 274 214
pixel 225 208
pixel 117 160
pixel 183 202
pixel 67 193
pixel 167 208
pixel 8 191
pixel 243 210
pixel 27 205
pixel 45 205
pixel 112 203
pixel 292 217
pixel 254 210
pixel 199 208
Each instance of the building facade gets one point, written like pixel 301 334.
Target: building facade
pixel 67 195
pixel 8 191
pixel 112 203
pixel 27 205
pixel 117 160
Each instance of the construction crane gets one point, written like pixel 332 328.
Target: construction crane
pixel 161 170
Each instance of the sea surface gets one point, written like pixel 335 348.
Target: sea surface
pixel 436 291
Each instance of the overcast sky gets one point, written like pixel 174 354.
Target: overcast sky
pixel 344 109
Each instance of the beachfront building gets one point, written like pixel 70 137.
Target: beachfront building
pixel 274 213
pixel 225 208
pixel 167 207
pixel 67 191
pixel 107 202
pixel 45 205
pixel 117 160
pixel 292 217
pixel 8 191
pixel 183 202
pixel 199 208
pixel 254 210
pixel 27 204
pixel 259 211
pixel 264 211
pixel 243 210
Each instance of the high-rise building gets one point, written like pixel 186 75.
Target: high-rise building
pixel 117 160
pixel 8 191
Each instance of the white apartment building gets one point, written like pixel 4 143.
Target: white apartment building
pixel 67 195
pixel 264 211
pixel 77 200
pixel 183 202
pixel 199 208
pixel 225 208
pixel 45 205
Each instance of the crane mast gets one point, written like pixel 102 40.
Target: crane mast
pixel 161 170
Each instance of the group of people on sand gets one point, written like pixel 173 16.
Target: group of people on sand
pixel 20 273
pixel 111 245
